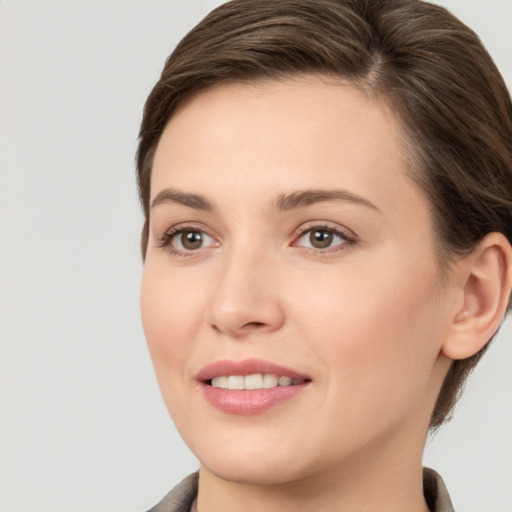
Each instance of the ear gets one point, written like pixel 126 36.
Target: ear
pixel 485 278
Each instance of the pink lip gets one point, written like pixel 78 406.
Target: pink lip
pixel 246 402
pixel 245 367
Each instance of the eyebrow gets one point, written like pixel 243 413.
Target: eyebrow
pixel 195 201
pixel 284 202
pixel 301 199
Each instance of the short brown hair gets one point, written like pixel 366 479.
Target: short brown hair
pixel 430 68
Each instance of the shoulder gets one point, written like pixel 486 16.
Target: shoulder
pixel 180 498
pixel 436 494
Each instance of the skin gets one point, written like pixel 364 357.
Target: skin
pixel 366 318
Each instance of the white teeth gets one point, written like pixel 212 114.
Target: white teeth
pixel 285 381
pixel 220 382
pixel 270 381
pixel 254 381
pixel 236 382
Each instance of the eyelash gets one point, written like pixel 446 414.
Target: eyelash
pixel 165 240
pixel 348 239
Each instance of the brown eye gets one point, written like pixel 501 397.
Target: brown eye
pixel 191 240
pixel 320 238
pixel 188 240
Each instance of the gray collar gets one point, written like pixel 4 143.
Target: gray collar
pixel 182 497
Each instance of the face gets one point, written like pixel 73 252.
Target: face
pixel 291 298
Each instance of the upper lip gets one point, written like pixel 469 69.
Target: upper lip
pixel 246 367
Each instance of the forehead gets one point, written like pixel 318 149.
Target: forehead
pixel 254 138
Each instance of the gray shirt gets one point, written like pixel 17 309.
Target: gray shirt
pixel 183 496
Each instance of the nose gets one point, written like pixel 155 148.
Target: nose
pixel 246 296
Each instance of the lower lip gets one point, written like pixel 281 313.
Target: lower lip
pixel 250 401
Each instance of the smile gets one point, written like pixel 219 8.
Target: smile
pixel 250 386
pixel 254 381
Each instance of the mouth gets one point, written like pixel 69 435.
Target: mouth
pixel 254 381
pixel 249 386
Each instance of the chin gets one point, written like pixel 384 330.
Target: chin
pixel 252 462
pixel 253 473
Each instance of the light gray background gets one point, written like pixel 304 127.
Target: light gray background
pixel 83 427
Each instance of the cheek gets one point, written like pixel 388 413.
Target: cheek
pixel 171 316
pixel 378 338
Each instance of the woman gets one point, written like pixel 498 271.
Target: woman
pixel 327 187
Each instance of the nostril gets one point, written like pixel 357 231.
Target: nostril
pixel 253 325
pixel 242 330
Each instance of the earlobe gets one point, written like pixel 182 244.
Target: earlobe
pixel 487 282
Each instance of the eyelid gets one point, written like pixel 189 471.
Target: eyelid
pixel 164 241
pixel 321 225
